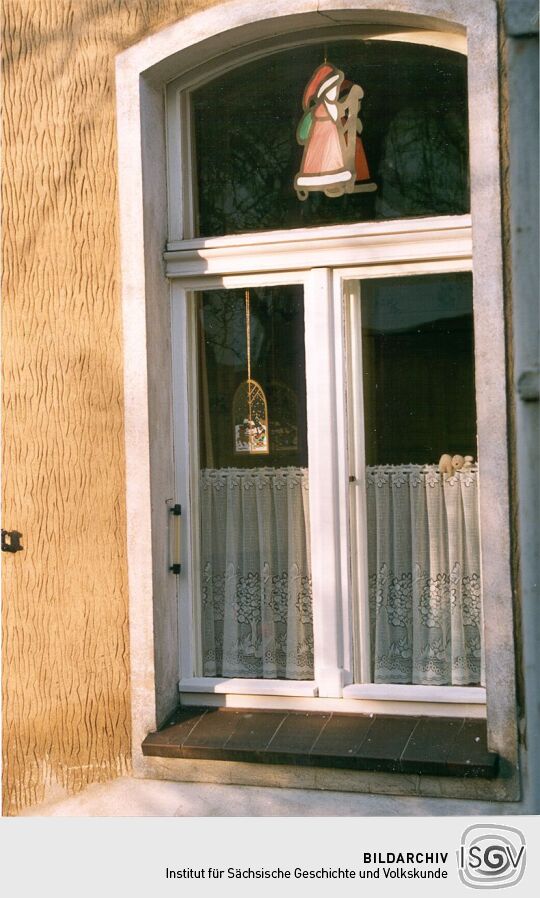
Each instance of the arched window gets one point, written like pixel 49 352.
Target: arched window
pixel 372 352
pixel 414 137
pixel 330 361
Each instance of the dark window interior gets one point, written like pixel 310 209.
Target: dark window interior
pixel 277 364
pixel 414 116
pixel 418 366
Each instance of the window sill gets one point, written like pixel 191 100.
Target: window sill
pixel 414 745
pixel 464 695
pixel 473 695
pixel 245 686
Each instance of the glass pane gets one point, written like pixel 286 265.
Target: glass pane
pixel 421 480
pixel 254 504
pixel 418 363
pixel 414 138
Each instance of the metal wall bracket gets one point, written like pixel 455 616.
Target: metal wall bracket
pixel 11 541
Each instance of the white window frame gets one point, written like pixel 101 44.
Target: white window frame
pixel 417 247
pixel 257 259
pixel 142 72
pixel 347 283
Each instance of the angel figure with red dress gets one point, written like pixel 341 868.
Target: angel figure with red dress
pixel 334 160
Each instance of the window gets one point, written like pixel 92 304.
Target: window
pixel 412 378
pixel 326 553
pixel 342 257
pixel 255 558
pixel 414 111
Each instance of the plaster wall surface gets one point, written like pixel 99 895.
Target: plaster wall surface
pixel 65 604
pixel 66 699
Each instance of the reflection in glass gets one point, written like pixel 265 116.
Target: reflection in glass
pixel 423 532
pixel 254 507
pixel 414 134
pixel 418 366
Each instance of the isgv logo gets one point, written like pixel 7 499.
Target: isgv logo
pixel 491 857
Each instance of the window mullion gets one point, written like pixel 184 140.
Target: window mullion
pixel 324 484
pixel 357 466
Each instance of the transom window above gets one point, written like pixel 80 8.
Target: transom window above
pixel 413 116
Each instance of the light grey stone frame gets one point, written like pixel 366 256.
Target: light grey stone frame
pixel 142 71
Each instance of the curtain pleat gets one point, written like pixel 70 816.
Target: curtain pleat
pixel 256 573
pixel 424 576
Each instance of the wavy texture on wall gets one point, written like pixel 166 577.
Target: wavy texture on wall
pixel 65 606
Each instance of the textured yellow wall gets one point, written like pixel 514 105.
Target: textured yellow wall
pixel 65 606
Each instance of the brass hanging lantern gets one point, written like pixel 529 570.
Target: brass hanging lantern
pixel 250 408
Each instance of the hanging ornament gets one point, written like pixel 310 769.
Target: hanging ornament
pixel 250 409
pixel 334 160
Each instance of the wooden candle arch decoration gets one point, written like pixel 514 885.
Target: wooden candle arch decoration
pixel 250 408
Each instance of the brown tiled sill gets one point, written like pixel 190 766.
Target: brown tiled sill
pixel 422 745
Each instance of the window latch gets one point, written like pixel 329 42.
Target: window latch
pixel 11 541
pixel 175 556
pixel 528 385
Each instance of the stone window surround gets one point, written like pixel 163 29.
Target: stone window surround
pixel 142 72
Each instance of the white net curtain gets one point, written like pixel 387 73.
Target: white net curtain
pixel 424 576
pixel 256 573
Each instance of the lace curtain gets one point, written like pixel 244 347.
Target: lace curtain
pixel 424 576
pixel 256 573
